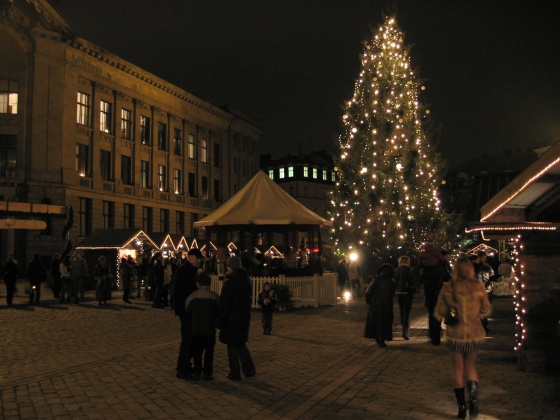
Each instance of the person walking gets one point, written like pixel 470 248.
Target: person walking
pixel 467 296
pixel 379 297
pixel 202 306
pixel 103 281
pixel 10 273
pixel 142 276
pixel 184 283
pixel 267 300
pixel 79 275
pixel 234 317
pixel 406 286
pixel 127 277
pixel 65 268
pixel 55 275
pixel 36 274
pixel 158 279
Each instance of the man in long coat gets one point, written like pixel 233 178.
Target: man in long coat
pixel 379 297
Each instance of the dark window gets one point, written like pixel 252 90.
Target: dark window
pixel 84 217
pixel 147 219
pixel 129 216
pixel 164 220
pixel 106 172
pixel 217 191
pixel 192 184
pixel 180 222
pixel 203 151
pixel 126 124
pixel 162 178
pixel 126 170
pixel 8 153
pixel 162 136
pixel 145 174
pixel 205 186
pixel 145 131
pixel 217 156
pixel 178 142
pixel 108 215
pixel 82 159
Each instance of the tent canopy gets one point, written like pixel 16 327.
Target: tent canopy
pixel 262 202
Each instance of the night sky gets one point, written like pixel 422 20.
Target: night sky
pixel 491 68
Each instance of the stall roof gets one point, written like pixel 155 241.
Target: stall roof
pixel 113 239
pixel 530 201
pixel 262 202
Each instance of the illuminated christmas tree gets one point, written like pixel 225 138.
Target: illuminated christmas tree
pixel 388 169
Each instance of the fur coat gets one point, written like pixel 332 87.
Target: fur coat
pixel 471 301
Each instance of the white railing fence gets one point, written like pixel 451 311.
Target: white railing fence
pixel 307 292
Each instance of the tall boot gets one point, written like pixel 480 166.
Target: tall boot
pixel 460 395
pixel 472 386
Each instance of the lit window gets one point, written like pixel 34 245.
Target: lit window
pixel 333 176
pixel 281 173
pixel 106 121
pixel 314 173
pixel 203 151
pixel 306 171
pixel 271 173
pixel 177 187
pixel 145 131
pixel 290 171
pixel 324 174
pixel 191 146
pixel 162 178
pixel 82 159
pixel 8 96
pixel 83 108
pixel 145 174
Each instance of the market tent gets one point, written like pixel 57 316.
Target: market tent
pixel 262 202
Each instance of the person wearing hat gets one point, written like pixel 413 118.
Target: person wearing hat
pixel 234 318
pixel 184 280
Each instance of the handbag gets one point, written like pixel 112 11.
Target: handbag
pixel 452 316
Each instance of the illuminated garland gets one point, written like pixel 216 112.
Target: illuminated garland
pixel 519 300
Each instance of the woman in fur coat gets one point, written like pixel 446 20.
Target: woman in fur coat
pixel 468 297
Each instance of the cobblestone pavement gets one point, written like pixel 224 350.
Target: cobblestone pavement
pixel 117 362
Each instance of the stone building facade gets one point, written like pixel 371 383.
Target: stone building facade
pixel 83 128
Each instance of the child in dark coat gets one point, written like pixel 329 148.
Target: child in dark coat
pixel 267 300
pixel 202 305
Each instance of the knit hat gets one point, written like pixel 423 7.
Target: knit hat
pixel 234 262
pixel 203 278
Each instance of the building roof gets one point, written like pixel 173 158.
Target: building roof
pixel 113 239
pixel 262 202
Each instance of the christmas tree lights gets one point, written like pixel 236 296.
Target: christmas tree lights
pixel 388 170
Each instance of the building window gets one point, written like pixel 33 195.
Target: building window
pixel 164 220
pixel 281 173
pixel 205 187
pixel 192 184
pixel 217 192
pixel 306 171
pixel 106 172
pixel 191 147
pixel 126 170
pixel 8 153
pixel 324 174
pixel 314 173
pixel 291 191
pixel 82 159
pixel 9 96
pixel 128 216
pixel 106 120
pixel 83 108
pixel 126 124
pixel 217 157
pixel 203 151
pixel 162 178
pixel 290 171
pixel 271 173
pixel 108 215
pixel 178 142
pixel 194 218
pixel 333 176
pixel 145 174
pixel 147 218
pixel 177 187
pixel 162 136
pixel 180 222
pixel 145 131
pixel 84 217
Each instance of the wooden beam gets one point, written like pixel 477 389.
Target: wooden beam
pixel 22 224
pixel 12 206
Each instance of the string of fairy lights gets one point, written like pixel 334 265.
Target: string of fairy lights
pixel 387 173
pixel 519 299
